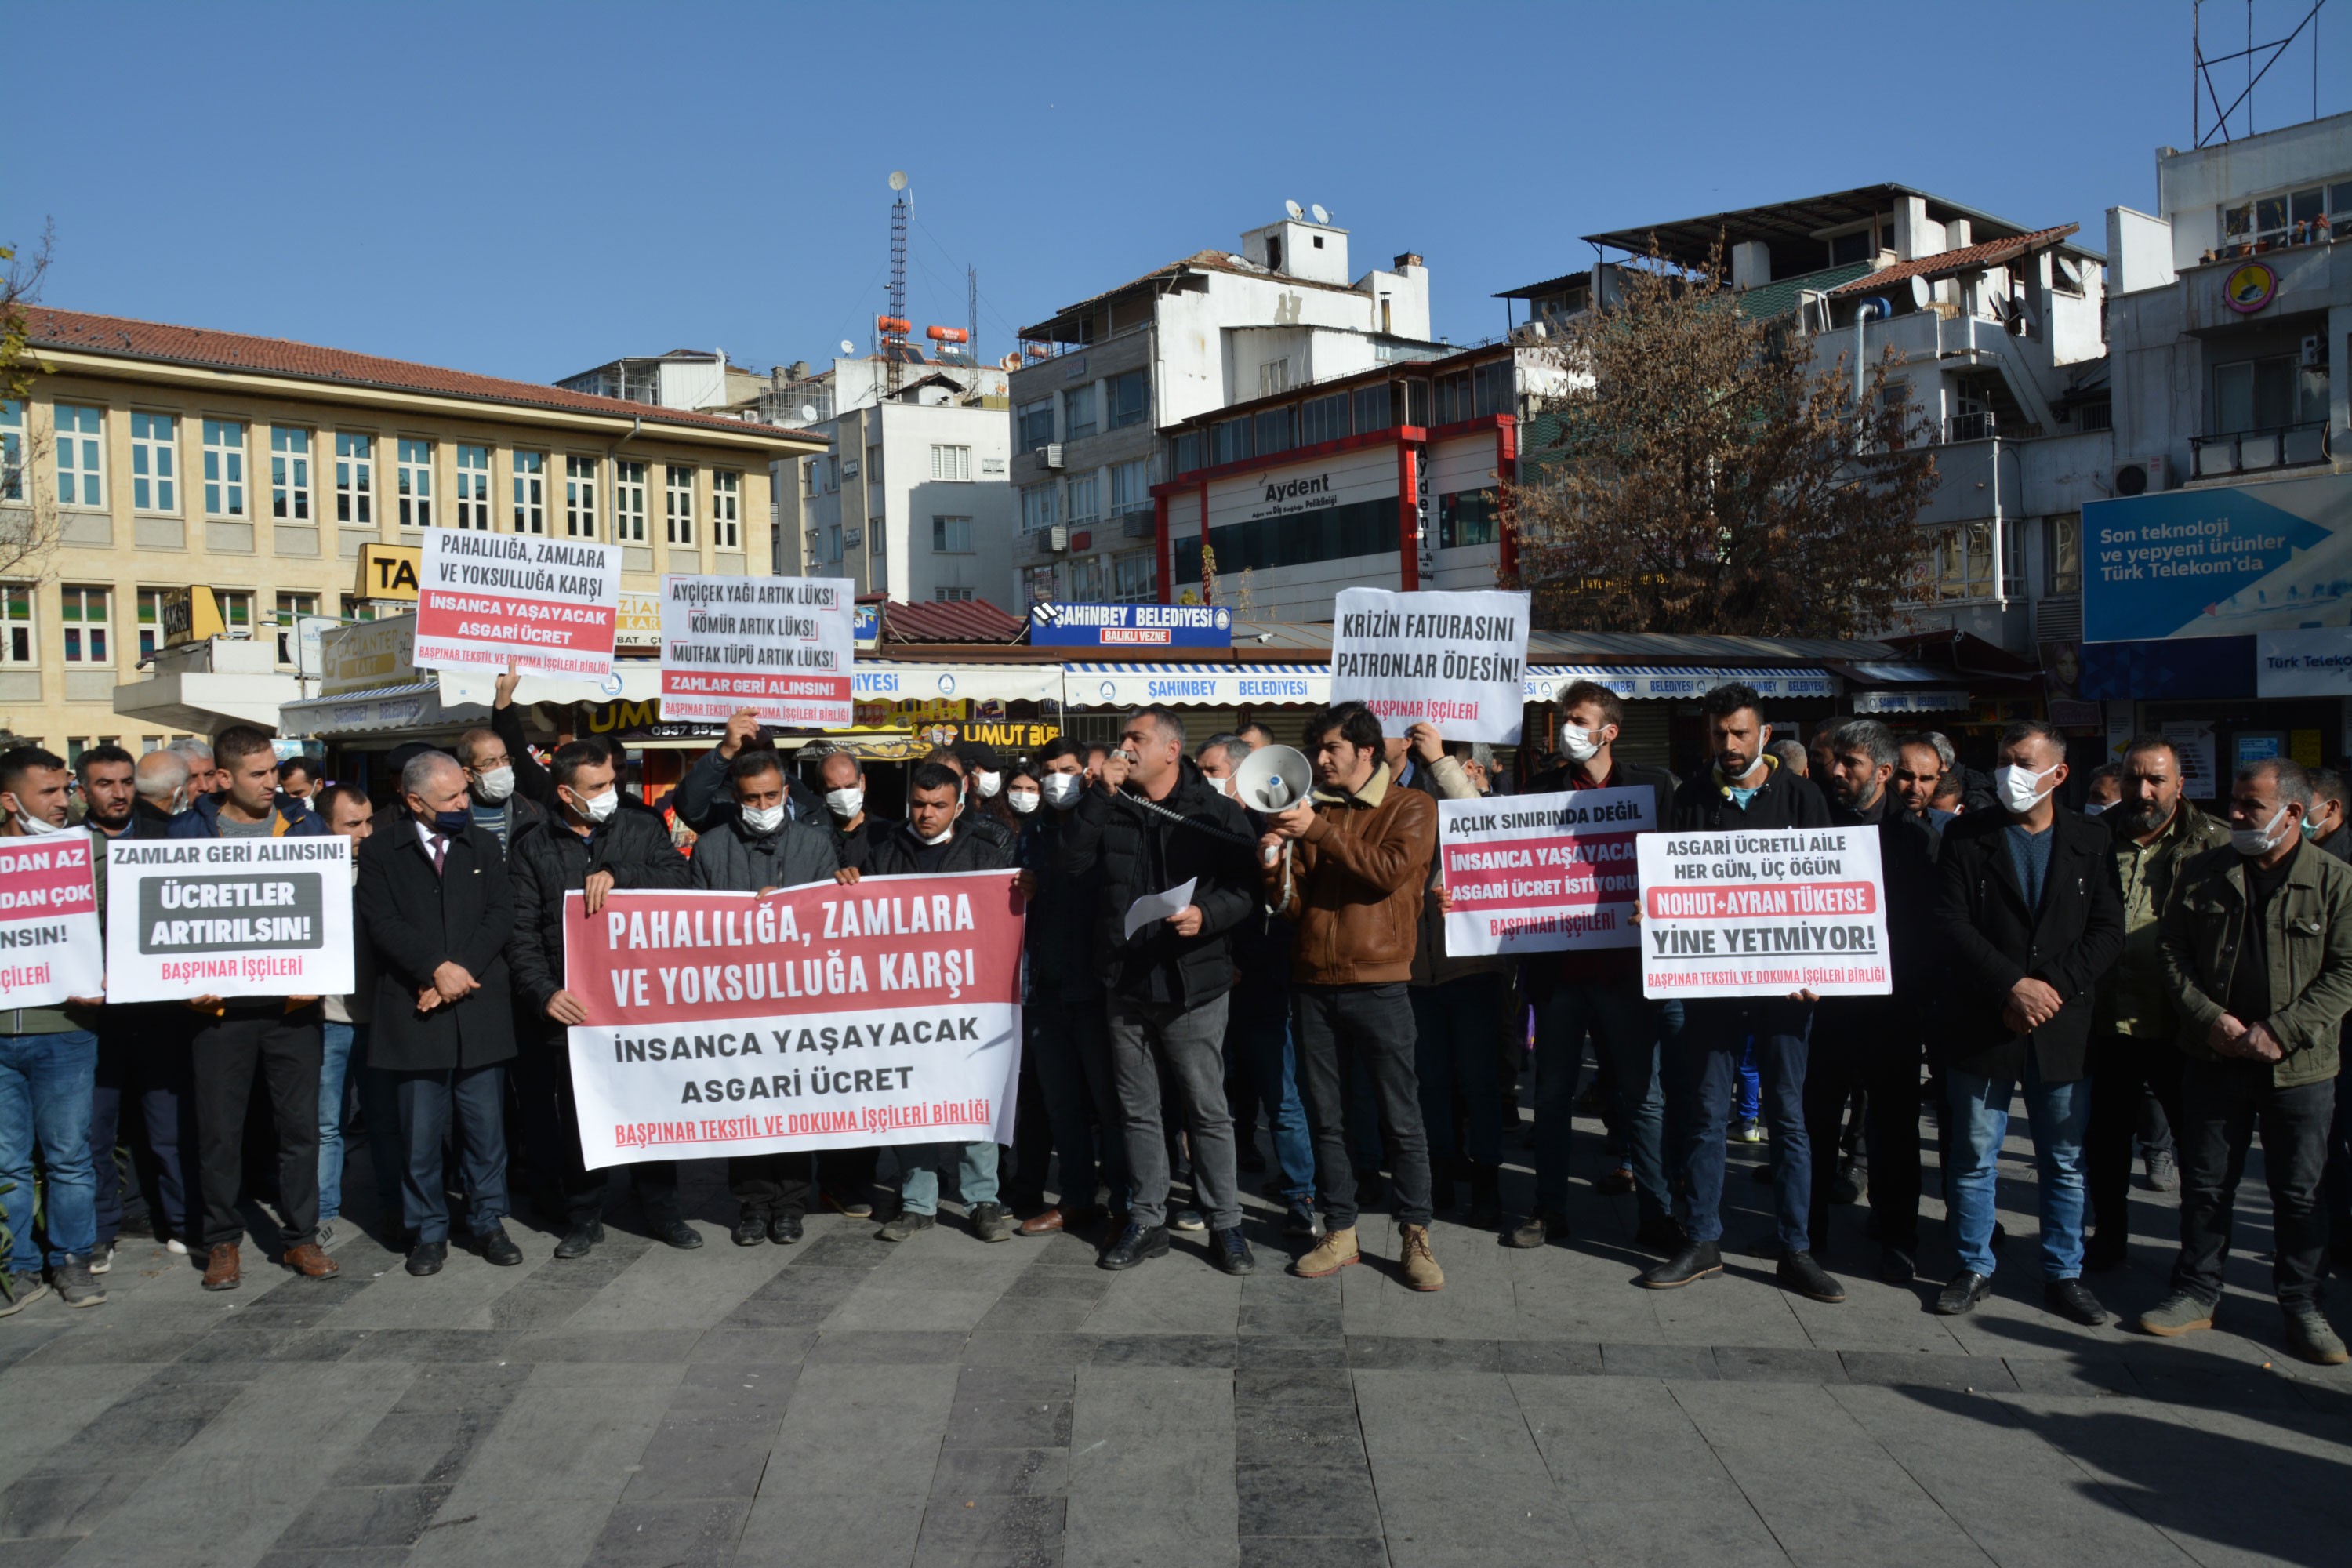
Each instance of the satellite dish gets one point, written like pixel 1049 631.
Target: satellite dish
pixel 1321 215
pixel 1293 209
pixel 808 412
pixel 847 347
pixel 898 179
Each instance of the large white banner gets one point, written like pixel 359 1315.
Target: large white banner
pixel 1763 914
pixel 49 948
pixel 818 1018
pixel 780 646
pixel 1538 873
pixel 227 917
pixel 551 605
pixel 1455 660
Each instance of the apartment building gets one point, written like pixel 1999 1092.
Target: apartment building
pixel 700 379
pixel 151 457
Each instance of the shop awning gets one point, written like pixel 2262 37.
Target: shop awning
pixel 1896 674
pixel 1912 700
pixel 895 680
pixel 1195 685
pixel 409 705
pixel 1658 682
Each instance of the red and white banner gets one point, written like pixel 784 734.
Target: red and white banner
pixel 50 947
pixel 551 605
pixel 1538 873
pixel 780 646
pixel 1764 914
pixel 823 1017
pixel 1456 660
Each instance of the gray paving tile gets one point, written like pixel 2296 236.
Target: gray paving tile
pixel 1011 1472
pixel 692 1459
pixel 1019 1423
pixel 1162 1350
pixel 1770 1364
pixel 242 1341
pixel 425 1346
pixel 744 1388
pixel 670 1534
pixel 1293 1387
pixel 993 1349
pixel 1297 1552
pixel 343 1516
pixel 730 1343
pixel 2060 1379
pixel 467 1385
pixel 1388 1352
pixel 99 1347
pixel 415 1448
pixel 1034 1314
pixel 1267 1351
pixel 860 1347
pixel 1684 1362
pixel 1554 1358
pixel 323 1557
pixel 1972 1374
pixel 1303 1499
pixel 663 1347
pixel 66 1504
pixel 1060 1285
pixel 1299 1434
pixel 999 1531
pixel 863 1446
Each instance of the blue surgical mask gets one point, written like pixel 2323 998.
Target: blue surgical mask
pixel 452 823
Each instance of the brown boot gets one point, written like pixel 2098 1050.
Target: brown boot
pixel 1329 1256
pixel 221 1270
pixel 1420 1271
pixel 311 1263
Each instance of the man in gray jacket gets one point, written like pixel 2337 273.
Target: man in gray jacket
pixel 757 849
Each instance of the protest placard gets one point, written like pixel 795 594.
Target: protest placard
pixel 50 947
pixel 780 646
pixel 1763 914
pixel 227 917
pixel 1539 873
pixel 548 604
pixel 819 1018
pixel 1455 660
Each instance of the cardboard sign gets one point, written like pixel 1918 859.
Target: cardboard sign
pixel 227 917
pixel 819 1018
pixel 1455 660
pixel 548 604
pixel 1540 873
pixel 50 946
pixel 1763 914
pixel 780 646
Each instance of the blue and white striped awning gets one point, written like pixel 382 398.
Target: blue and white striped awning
pixel 1091 685
pixel 1659 682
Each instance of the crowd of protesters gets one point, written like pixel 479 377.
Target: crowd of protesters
pixel 2156 985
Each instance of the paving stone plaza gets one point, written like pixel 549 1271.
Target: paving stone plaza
pixel 848 1402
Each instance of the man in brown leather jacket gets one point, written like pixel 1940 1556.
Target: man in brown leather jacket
pixel 1351 886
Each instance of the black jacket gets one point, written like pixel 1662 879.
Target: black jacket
pixel 732 859
pixel 413 921
pixel 1060 848
pixel 855 848
pixel 1906 860
pixel 550 860
pixel 1142 851
pixel 1990 941
pixel 533 783
pixel 704 801
pixel 1622 774
pixel 1701 806
pixel 895 850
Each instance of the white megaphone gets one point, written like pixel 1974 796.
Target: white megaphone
pixel 1273 778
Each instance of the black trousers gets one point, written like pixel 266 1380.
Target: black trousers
pixel 1343 1029
pixel 1862 1045
pixel 473 1100
pixel 2221 1105
pixel 286 1050
pixel 2127 1072
pixel 769 1185
pixel 584 1190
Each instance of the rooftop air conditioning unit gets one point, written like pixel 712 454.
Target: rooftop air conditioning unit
pixel 1058 538
pixel 1053 454
pixel 2315 351
pixel 2143 476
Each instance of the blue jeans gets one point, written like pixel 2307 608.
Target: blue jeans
pixel 1627 1028
pixel 46 1083
pixel 2061 1113
pixel 1258 1051
pixel 1752 1085
pixel 918 1167
pixel 1705 1068
pixel 1457 1033
pixel 331 1073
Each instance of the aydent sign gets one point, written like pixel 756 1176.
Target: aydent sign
pixel 1131 625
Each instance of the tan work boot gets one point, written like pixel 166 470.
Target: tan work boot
pixel 221 1270
pixel 1420 1271
pixel 1331 1255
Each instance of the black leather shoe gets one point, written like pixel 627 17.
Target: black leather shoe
pixel 1231 1251
pixel 1960 1296
pixel 676 1233
pixel 426 1258
pixel 580 1239
pixel 1797 1271
pixel 784 1229
pixel 497 1248
pixel 2072 1300
pixel 751 1230
pixel 1896 1266
pixel 1136 1243
pixel 1696 1261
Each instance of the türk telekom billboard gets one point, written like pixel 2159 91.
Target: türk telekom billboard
pixel 2226 561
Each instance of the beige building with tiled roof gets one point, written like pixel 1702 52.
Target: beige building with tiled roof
pixel 151 457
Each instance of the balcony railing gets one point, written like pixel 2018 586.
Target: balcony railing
pixel 2252 451
pixel 1984 427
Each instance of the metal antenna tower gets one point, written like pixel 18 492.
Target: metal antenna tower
pixel 2204 92
pixel 894 340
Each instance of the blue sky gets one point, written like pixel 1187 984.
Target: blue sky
pixel 527 190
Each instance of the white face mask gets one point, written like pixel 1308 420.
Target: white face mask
pixel 2244 840
pixel 1021 801
pixel 601 808
pixel 765 819
pixel 2020 789
pixel 945 833
pixel 36 826
pixel 1062 790
pixel 494 784
pixel 986 784
pixel 845 804
pixel 1580 745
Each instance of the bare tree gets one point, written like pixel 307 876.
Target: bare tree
pixel 28 523
pixel 1711 479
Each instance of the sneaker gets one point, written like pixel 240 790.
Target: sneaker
pixel 1696 1261
pixel 785 1228
pixel 2072 1300
pixel 325 1234
pixel 2178 1313
pixel 23 1289
pixel 1421 1270
pixel 101 1257
pixel 1538 1228
pixel 1136 1243
pixel 993 1222
pixel 1800 1272
pixel 1303 1221
pixel 1187 1219
pixel 841 1201
pixel 1748 1130
pixel 1230 1250
pixel 1962 1293
pixel 2307 1336
pixel 2163 1174
pixel 176 1248
pixel 1327 1257
pixel 906 1223
pixel 751 1230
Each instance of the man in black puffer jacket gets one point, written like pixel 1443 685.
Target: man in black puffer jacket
pixel 587 844
pixel 1162 825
